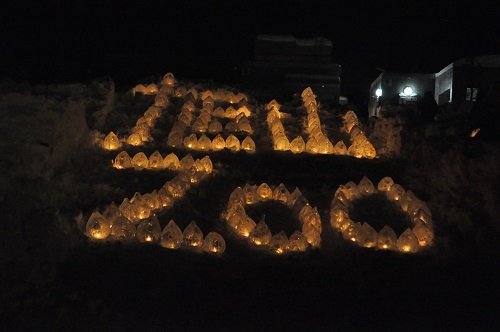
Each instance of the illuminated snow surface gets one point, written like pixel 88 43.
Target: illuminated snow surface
pixel 55 278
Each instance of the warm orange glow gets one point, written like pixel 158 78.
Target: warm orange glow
pixel 474 132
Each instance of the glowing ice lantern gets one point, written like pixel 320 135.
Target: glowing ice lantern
pixel 248 144
pixel 171 236
pixel 231 126
pixel 214 243
pixel 171 162
pixel 282 143
pixel 297 242
pixel 396 192
pixel 191 141
pixel 122 229
pixel 365 186
pixel 385 184
pixel 149 231
pixel 281 193
pixel 407 242
pixel 207 164
pixel 140 161
pixel 260 235
pixel 408 91
pixel 232 143
pixel 423 233
pixel 279 243
pixel 204 143
pixel 134 140
pixel 218 143
pixel 98 227
pixel 378 92
pixel 297 145
pixel 186 162
pixel 351 233
pixel 169 79
pixel 215 127
pixel 245 226
pixel 250 193
pixel 192 235
pixel 111 142
pixel 244 125
pixel 122 161
pixel 156 161
pixel 175 139
pixel 367 236
pixel 386 238
pixel 264 192
pixel 340 148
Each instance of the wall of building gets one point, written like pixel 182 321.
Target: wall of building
pixel 443 88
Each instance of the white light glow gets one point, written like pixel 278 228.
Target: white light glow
pixel 408 91
pixel 378 92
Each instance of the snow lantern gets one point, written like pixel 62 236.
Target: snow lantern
pixel 279 243
pixel 191 141
pixel 351 233
pixel 396 192
pixel 168 79
pixel 122 229
pixel 140 161
pixel 248 144
pixel 264 192
pixel 111 142
pixel 192 235
pixel 171 236
pixel 423 233
pixel 297 242
pixel 175 139
pixel 273 105
pixel 245 226
pixel 386 238
pixel 122 161
pixel 215 127
pixel 218 143
pixel 250 192
pixel 214 243
pixel 207 164
pixel 312 235
pixel 231 126
pixel 98 227
pixel 244 126
pixel 282 143
pixel 134 140
pixel 385 184
pixel 187 162
pixel 312 145
pixel 407 242
pixel 367 236
pixel 260 235
pixel 365 186
pixel 204 143
pixel 171 162
pixel 281 193
pixel 294 196
pixel 149 230
pixel 156 161
pixel 297 145
pixel 232 143
pixel 340 148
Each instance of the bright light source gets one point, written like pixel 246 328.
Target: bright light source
pixel 378 92
pixel 408 91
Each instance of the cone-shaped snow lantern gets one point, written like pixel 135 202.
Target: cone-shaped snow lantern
pixel 367 236
pixel 156 161
pixel 232 143
pixel 122 161
pixel 215 127
pixel 111 142
pixel 191 141
pixel 260 235
pixel 248 144
pixel 281 193
pixel 365 186
pixel 149 230
pixel 340 148
pixel 386 238
pixel 297 145
pixel 122 229
pixel 192 235
pixel 264 192
pixel 423 233
pixel 171 236
pixel 204 143
pixel 407 242
pixel 171 162
pixel 218 143
pixel 385 184
pixel 187 162
pixel 214 243
pixel 140 161
pixel 297 242
pixel 98 227
pixel 134 140
pixel 279 243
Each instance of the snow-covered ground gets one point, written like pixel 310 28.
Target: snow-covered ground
pixel 52 175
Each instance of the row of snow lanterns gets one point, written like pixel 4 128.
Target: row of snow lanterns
pixel 258 234
pixel 141 132
pixel 205 122
pixel 149 231
pixel 157 162
pixel 410 241
pixel 360 145
pixel 142 206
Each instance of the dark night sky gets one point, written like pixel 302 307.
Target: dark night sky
pixel 72 40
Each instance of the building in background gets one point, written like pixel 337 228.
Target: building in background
pixel 461 81
pixel 288 65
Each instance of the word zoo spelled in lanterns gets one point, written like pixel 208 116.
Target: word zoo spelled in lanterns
pixel 216 120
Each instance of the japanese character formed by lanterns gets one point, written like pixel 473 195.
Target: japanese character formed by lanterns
pixel 363 234
pixel 259 234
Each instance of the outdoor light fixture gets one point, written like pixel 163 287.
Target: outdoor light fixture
pixel 378 92
pixel 408 91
